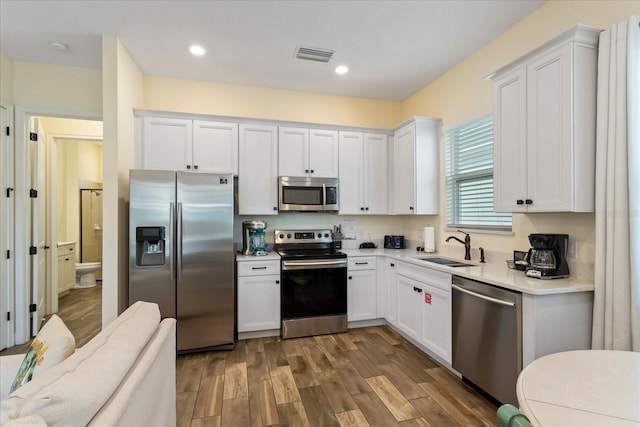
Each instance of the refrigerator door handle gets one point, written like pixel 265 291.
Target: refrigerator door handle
pixel 179 241
pixel 172 210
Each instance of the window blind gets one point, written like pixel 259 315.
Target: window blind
pixel 469 177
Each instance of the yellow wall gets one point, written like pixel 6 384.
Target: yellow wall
pixel 77 128
pixel 264 103
pixel 122 88
pixel 6 80
pixel 61 89
pixel 462 94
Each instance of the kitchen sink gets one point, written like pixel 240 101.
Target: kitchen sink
pixel 446 261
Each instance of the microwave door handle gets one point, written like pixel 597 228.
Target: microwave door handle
pixel 324 197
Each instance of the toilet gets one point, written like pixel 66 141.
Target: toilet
pixel 86 274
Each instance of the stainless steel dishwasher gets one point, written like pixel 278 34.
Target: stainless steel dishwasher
pixel 487 336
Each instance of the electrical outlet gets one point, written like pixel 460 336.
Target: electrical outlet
pixel 572 250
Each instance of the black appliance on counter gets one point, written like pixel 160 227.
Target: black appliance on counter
pixel 313 278
pixel 393 242
pixel 548 256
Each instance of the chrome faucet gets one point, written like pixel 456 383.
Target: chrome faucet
pixel 466 243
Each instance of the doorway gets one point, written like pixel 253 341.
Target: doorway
pixel 25 305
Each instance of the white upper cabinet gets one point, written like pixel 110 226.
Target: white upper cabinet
pixel 414 175
pixel 544 127
pixel 215 146
pixel 188 145
pixel 258 170
pixel 363 173
pixel 306 152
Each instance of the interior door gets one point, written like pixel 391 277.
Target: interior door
pixel 38 221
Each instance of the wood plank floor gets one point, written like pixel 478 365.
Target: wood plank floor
pixel 368 376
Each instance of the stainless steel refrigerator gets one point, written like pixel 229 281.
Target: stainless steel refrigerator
pixel 181 253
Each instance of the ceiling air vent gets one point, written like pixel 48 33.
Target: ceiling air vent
pixel 314 54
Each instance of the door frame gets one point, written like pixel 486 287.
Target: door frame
pixel 22 169
pixel 7 271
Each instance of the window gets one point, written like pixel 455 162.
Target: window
pixel 469 177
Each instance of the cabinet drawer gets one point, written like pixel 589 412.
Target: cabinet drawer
pixel 258 268
pixel 433 277
pixel 361 263
pixel 66 250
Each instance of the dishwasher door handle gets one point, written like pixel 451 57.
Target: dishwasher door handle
pixel 484 297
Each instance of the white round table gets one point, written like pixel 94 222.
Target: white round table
pixel 582 388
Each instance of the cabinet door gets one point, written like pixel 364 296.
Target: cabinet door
pixel 361 295
pixel 436 321
pixel 293 151
pixel 258 170
pixel 323 153
pixel 167 144
pixel 549 132
pixel 510 143
pixel 408 315
pixel 258 303
pixel 215 147
pixel 375 174
pixel 404 170
pixel 391 282
pixel 351 173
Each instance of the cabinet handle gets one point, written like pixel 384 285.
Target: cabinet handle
pixel 312 170
pixel 366 209
pixel 195 166
pixel 362 263
pixel 392 264
pixel 66 259
pixel 47 247
pixel 410 208
pixel 275 208
pixel 361 209
pixel 277 282
pixel 417 290
pixel 519 202
pixel 188 166
pixel 306 171
pixel 528 201
pixel 350 278
pixel 259 268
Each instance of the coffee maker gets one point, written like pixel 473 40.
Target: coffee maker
pixel 253 238
pixel 548 256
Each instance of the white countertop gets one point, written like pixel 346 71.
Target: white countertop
pixel 495 274
pixel 585 388
pixel 270 256
pixel 66 243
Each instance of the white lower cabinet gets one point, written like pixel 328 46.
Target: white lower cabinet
pixel 424 307
pixel 66 267
pixel 408 313
pixel 391 285
pixel 361 288
pixel 258 295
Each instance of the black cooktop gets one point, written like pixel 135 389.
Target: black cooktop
pixel 322 253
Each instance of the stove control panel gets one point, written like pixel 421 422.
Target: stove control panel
pixel 303 236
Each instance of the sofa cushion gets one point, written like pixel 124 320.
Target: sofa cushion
pixel 73 391
pixel 52 345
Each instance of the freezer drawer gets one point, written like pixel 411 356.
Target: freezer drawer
pixel 487 336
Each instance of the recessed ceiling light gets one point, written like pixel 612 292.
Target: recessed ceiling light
pixel 197 50
pixel 59 46
pixel 342 69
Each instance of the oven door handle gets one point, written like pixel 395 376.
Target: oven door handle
pixel 309 265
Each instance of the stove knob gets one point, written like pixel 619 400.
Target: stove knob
pixel 319 235
pixel 281 236
pixel 326 234
pixel 288 236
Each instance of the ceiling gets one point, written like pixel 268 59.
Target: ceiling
pixel 392 48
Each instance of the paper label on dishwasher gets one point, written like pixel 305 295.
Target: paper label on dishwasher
pixel 427 298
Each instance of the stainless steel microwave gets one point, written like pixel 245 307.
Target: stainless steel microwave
pixel 308 194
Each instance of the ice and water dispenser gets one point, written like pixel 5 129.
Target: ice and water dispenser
pixel 150 246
